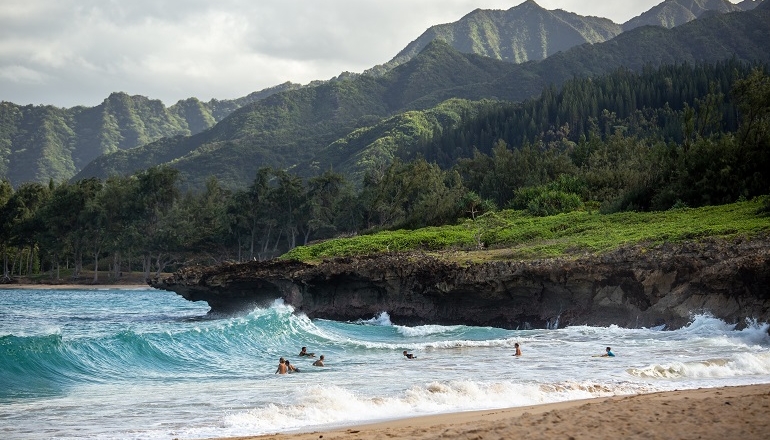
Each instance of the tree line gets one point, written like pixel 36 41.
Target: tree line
pixel 671 137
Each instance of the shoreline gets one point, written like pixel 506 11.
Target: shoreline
pixel 704 413
pixel 70 286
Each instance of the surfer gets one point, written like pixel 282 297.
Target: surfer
pixel 518 350
pixel 291 368
pixel 409 355
pixel 319 362
pixel 609 353
pixel 282 368
pixel 304 352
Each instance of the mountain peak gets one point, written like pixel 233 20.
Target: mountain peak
pixel 672 13
pixel 522 33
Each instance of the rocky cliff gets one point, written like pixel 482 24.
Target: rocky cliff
pixel 638 286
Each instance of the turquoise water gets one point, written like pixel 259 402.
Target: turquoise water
pixel 147 364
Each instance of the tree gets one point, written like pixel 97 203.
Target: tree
pixel 6 222
pixel 157 191
pixel 323 196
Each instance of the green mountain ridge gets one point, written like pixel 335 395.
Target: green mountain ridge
pixel 288 129
pixel 41 143
pixel 292 130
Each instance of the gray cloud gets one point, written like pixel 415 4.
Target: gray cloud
pixel 76 52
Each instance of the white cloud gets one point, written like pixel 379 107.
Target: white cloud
pixel 21 75
pixel 68 52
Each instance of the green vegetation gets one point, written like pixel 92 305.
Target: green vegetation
pixel 591 163
pixel 712 151
pixel 42 143
pixel 519 235
pixel 294 130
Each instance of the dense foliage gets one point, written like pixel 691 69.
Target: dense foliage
pixel 704 140
pixel 518 235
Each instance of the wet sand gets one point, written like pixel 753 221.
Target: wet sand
pixel 741 413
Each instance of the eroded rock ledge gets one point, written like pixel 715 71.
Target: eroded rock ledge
pixel 638 286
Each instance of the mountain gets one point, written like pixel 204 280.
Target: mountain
pixel 39 143
pixel 333 124
pixel 288 129
pixel 529 32
pixel 672 13
pixel 523 33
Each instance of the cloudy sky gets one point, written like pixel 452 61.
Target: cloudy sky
pixel 76 52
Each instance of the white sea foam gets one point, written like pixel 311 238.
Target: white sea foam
pixel 425 330
pixel 743 364
pixel 324 406
pixel 383 319
pixel 223 368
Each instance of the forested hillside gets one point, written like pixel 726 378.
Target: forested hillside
pixel 288 129
pixel 42 143
pixel 696 135
pixel 293 130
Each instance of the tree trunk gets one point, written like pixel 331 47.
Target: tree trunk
pixel 6 275
pixel 96 266
pixel 116 265
pixel 146 266
pixel 29 261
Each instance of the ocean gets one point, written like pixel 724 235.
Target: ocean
pixel 147 364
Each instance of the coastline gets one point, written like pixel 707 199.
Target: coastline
pixel 703 413
pixel 71 286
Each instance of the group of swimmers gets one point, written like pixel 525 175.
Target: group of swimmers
pixel 285 367
pixel 608 351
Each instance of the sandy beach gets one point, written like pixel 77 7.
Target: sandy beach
pixel 709 413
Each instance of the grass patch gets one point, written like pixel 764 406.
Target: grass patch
pixel 517 235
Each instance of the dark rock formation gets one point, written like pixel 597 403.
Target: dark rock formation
pixel 638 286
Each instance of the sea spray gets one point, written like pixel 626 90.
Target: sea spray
pixel 148 364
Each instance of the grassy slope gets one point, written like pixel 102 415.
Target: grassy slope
pixel 516 235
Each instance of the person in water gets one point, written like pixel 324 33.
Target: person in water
pixel 291 368
pixel 609 353
pixel 319 362
pixel 518 350
pixel 282 368
pixel 409 355
pixel 304 352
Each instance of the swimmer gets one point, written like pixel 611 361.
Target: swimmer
pixel 304 352
pixel 518 350
pixel 319 362
pixel 409 355
pixel 291 368
pixel 282 369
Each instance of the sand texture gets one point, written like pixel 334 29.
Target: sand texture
pixel 741 413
